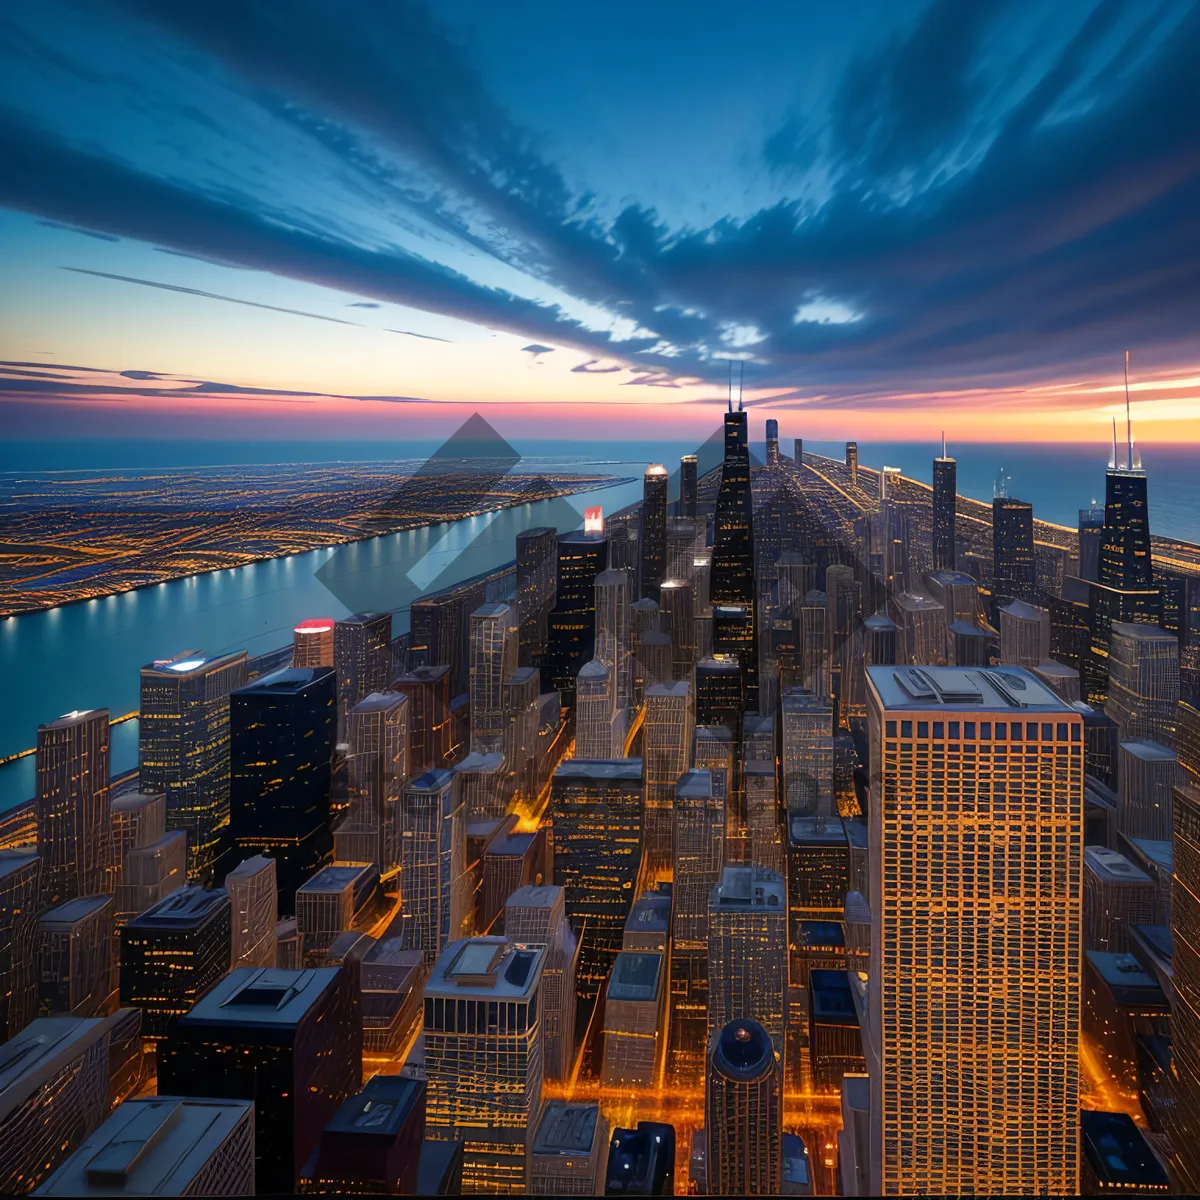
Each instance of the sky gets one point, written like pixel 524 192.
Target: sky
pixel 312 220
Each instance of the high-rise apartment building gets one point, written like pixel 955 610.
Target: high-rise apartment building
pixel 941 945
pixel 667 745
pixel 253 912
pixel 150 874
pixel 184 747
pixel 743 1111
pixel 76 955
pixel 362 658
pixel 537 553
pixel 653 532
pixel 136 819
pixel 1143 682
pixel 483 1058
pixel 1024 634
pixel 329 904
pixel 1014 570
pixel 312 643
pixel 945 503
pixel 522 705
pixel 20 895
pixel 73 805
pixel 282 730
pixel 494 646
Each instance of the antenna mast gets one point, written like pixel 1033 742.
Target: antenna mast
pixel 735 383
pixel 1128 419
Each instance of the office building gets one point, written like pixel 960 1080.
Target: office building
pixel 1062 680
pixel 654 659
pixel 796 1174
pixel 649 925
pixel 834 1039
pixel 433 866
pixel 807 753
pixel 76 954
pixel 687 486
pixel 927 967
pixel 747 950
pixel 641 1161
pixel 537 554
pixel 818 869
pixel 164 1146
pixel 921 629
pixel 494 646
pixel 392 983
pixel 667 733
pixel 173 954
pixel 596 820
pixel 880 637
pixel 634 1028
pixel 362 658
pixel 73 805
pixel 483 1057
pixel 184 747
pixel 1014 570
pixel 282 729
pixel 1117 1157
pixel 377 768
pixel 1091 538
pixel 1146 773
pixel 330 903
pixel 945 502
pixel 150 874
pixel 428 692
pixel 569 1152
pixel 522 711
pixel 289 1041
pixel 1185 995
pixel 653 530
pixel 1117 896
pixel 772 442
pixel 252 903
pixel 676 597
pixel 481 787
pixel 136 819
pixel 512 860
pixel 373 1143
pixel 537 915
pixel 53 1094
pixel 312 643
pixel 20 888
pixel 571 632
pixel 1024 635
pixel 743 1111
pixel 854 1138
pixel 720 692
pixel 1122 1000
pixel 596 727
pixel 1143 682
pixel 763 828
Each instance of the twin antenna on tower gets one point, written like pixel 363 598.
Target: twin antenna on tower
pixel 735 383
pixel 1132 462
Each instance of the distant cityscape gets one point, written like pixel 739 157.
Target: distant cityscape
pixel 800 829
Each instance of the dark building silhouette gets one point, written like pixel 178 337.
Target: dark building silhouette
pixel 428 692
pixel 1014 571
pixel 653 538
pixel 852 461
pixel 537 555
pixel 571 635
pixel 733 547
pixel 641 1161
pixel 945 503
pixel 282 730
pixel 1116 1157
pixel 687 485
pixel 362 658
pixel 743 1111
pixel 772 442
pixel 1091 538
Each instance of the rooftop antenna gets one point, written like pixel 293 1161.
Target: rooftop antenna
pixel 943 443
pixel 1135 462
pixel 1112 462
pixel 735 383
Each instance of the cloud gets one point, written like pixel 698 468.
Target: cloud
pixel 590 368
pixel 100 237
pixel 364 304
pixel 537 349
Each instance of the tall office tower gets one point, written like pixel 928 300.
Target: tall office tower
pixel 687 486
pixel 594 711
pixel 1116 897
pixel 934 733
pixel 681 548
pixel 921 626
pixel 572 623
pixel 173 953
pixel 377 768
pixel 1024 635
pixel 613 632
pixel 568 1154
pixel 720 698
pixel 634 1029
pixel 428 692
pixel 20 888
pixel 522 704
pixel 537 553
pixel 251 890
pixel 76 957
pixel 649 925
pixel 184 747
pixel 328 905
pixel 73 805
pixel 1059 678
pixel 290 1041
pixel 772 442
pixel 655 660
pixel 743 1111
pixel 796 577
pixel 945 504
pixel 537 916
pixel 748 951
pixel 53 1094
pixel 889 483
pixel 1014 571
pixel 1143 682
pixel 844 595
pixel 880 636
pixel 1185 995
pixel 798 451
pixel 1146 773
pixel 150 874
pixel 362 658
pixel 762 818
pixel 812 642
pixel 485 1076
pixel 806 753
pixel 164 1146
pixel 282 729
pixel 136 819
pixel 678 606
pixel 480 787
pixel 653 530
pixel 1187 736
pixel 596 817
pixel 666 748
pixel 433 854
pixel 852 462
pixel 493 660
pixel 512 860
pixel 312 643
pixel 641 1161
pixel 1091 538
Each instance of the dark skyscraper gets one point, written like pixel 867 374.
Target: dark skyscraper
pixel 852 461
pixel 537 551
pixel 572 625
pixel 1013 568
pixel 687 486
pixel 362 657
pixel 798 449
pixel 772 442
pixel 1091 538
pixel 654 529
pixel 281 741
pixel 945 498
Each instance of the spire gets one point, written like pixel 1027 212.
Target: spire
pixel 735 383
pixel 1128 419
pixel 1112 462
pixel 943 443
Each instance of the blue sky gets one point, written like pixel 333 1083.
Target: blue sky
pixel 952 210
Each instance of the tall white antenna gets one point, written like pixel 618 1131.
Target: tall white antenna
pixel 1128 420
pixel 943 443
pixel 1112 462
pixel 735 383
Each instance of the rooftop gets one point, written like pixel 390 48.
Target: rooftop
pixel 635 976
pixel 963 689
pixel 695 785
pixel 625 769
pixel 679 688
pixel 819 934
pixel 749 887
pixel 251 866
pixel 492 610
pixel 832 999
pixel 1055 670
pixel 16 860
pixel 431 781
pixel 796 1167
pixel 566 1128
pixel 380 702
pixel 1127 979
pixel 1112 867
pixel 531 896
pixel 812 830
pixel 132 801
pixel 743 1050
pixel 334 879
pixel 650 914
pixel 1024 611
pixel 1151 852
pixel 285 682
pixel 188 907
pixel 482 764
pixel 189 662
pixel 381 1109
pixel 911 602
pixel 261 997
pixel 856 833
pixel 39 1052
pixel 880 623
pixel 1143 633
pixel 1118 1151
pixel 511 845
pixel 486 966
pixel 73 911
pixel 1148 751
pixel 150 1146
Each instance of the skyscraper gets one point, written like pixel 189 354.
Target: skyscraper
pixel 136 819
pixel 572 623
pixel 594 711
pixel 362 658
pixel 677 600
pixel 667 747
pixel 1024 635
pixel 282 729
pixel 1146 773
pixel 20 887
pixel 569 1152
pixel 1185 995
pixel 945 501
pixel 1116 897
pixel 184 748
pixel 1091 538
pixel 687 486
pixel 253 912
pixel 733 548
pixel 428 691
pixel 73 805
pixel 934 734
pixel 537 552
pixel 1013 568
pixel 1143 682
pixel 807 753
pixel 76 957
pixel 613 632
pixel 743 1111
pixel 634 1030
pixel 653 534
pixel 312 643
pixel 493 660
pixel 433 868
pixel 772 442
pixel 852 462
